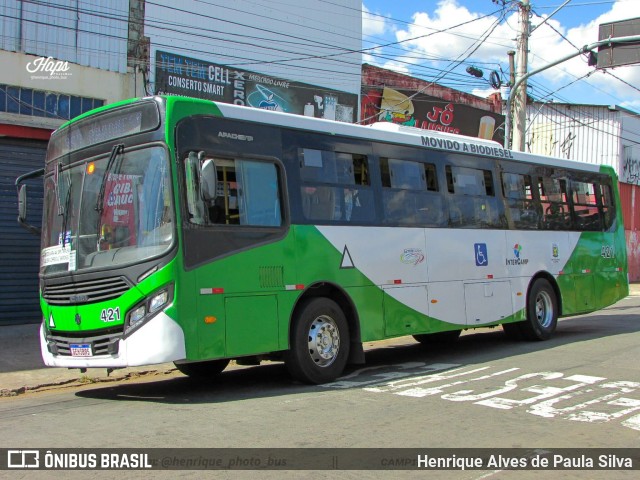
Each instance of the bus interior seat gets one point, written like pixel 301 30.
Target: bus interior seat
pixel 318 203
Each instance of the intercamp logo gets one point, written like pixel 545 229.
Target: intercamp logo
pixel 23 459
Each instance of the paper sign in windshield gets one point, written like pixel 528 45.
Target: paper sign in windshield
pixel 55 255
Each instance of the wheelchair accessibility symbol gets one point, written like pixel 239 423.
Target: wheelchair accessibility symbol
pixel 482 259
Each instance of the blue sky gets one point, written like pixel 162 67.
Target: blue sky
pixel 488 32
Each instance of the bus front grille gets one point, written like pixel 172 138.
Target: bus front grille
pixel 59 343
pixel 90 291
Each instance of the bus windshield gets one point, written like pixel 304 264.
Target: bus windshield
pixel 107 211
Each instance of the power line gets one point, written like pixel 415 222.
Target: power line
pixel 243 60
pixel 91 17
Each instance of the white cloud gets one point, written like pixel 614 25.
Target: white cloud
pixel 372 24
pixel 483 92
pixel 435 36
pixel 438 36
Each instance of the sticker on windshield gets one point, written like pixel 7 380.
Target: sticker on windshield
pixel 72 260
pixel 67 238
pixel 55 255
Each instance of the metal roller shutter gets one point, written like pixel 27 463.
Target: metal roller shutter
pixel 19 249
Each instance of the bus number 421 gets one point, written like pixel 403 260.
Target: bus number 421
pixel 110 315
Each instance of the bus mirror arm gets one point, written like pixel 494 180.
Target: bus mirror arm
pixel 22 199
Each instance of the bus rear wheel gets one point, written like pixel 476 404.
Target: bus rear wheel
pixel 207 369
pixel 542 311
pixel 319 342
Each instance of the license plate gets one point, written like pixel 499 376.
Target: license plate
pixel 81 350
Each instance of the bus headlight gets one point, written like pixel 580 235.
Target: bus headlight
pixel 148 308
pixel 158 301
pixel 137 315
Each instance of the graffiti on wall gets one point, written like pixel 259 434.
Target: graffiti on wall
pixel 630 165
pixel 567 145
pixel 543 141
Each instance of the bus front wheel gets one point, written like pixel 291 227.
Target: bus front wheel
pixel 319 342
pixel 207 369
pixel 542 311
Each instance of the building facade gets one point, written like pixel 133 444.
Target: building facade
pixel 603 135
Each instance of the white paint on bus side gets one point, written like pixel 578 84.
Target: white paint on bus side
pixel 454 286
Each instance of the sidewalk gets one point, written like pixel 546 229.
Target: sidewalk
pixel 22 369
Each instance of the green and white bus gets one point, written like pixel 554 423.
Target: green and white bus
pixel 187 231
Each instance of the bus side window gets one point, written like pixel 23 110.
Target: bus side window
pixel 523 210
pixel 555 206
pixel 585 206
pixel 319 203
pixel 335 186
pixel 232 192
pixel 410 193
pixel 473 203
pixel 607 205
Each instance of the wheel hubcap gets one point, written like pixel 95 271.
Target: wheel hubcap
pixel 324 341
pixel 544 309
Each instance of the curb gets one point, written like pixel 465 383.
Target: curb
pixel 46 383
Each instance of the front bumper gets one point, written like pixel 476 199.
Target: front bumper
pixel 160 340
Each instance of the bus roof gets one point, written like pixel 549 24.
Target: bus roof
pixel 388 132
pixel 380 131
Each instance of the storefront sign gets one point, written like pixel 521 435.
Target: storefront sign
pixel 423 111
pixel 178 75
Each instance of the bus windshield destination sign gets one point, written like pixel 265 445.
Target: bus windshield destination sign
pixel 124 121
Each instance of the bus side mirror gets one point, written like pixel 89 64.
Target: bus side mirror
pixel 22 204
pixel 22 200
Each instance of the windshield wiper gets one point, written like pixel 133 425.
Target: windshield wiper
pixel 59 176
pixel 65 216
pixel 116 152
pixel 63 205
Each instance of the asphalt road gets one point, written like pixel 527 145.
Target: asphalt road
pixel 581 390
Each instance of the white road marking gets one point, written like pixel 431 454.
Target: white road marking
pixel 580 398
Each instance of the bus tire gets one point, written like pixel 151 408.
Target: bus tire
pixel 439 338
pixel 542 311
pixel 207 369
pixel 319 342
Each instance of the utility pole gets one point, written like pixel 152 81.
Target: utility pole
pixel 520 104
pixel 512 82
pixel 137 47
